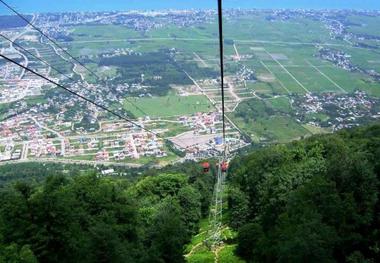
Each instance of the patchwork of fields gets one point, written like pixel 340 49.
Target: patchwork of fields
pixel 283 54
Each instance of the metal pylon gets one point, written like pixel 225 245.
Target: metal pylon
pixel 216 211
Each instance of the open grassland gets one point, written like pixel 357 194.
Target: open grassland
pixel 167 106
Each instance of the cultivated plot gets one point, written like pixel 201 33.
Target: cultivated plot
pixel 168 106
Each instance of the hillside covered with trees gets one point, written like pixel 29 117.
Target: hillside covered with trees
pixel 90 219
pixel 315 200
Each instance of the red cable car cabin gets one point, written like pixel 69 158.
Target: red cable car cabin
pixel 224 167
pixel 206 167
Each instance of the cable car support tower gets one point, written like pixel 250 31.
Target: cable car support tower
pixel 214 238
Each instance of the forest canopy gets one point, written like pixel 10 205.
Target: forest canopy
pixel 315 200
pixel 96 219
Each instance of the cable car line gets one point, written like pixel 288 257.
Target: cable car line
pixel 86 99
pixel 216 211
pixel 49 38
pixel 221 54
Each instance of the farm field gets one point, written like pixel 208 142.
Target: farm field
pixel 273 129
pixel 281 104
pixel 299 71
pixel 285 51
pixel 167 106
pixel 283 55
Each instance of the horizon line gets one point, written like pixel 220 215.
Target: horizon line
pixel 198 9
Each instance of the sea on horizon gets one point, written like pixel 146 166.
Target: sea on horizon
pixel 43 6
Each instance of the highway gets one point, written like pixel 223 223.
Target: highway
pixel 241 41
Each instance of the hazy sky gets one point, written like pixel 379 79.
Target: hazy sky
pixel 100 5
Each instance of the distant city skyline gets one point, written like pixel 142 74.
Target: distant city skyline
pixel 35 6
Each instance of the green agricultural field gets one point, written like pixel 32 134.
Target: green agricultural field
pixel 351 81
pixel 312 80
pixel 296 69
pixel 276 129
pixel 364 24
pixel 205 31
pixel 257 27
pixel 368 59
pixel 167 106
pixel 281 104
pixel 83 33
pixel 263 88
pixel 287 80
pixel 282 53
pixel 269 120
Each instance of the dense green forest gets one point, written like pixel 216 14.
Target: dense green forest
pixel 85 218
pixel 315 200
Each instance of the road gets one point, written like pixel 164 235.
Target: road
pixel 200 59
pixel 28 28
pixel 231 89
pixel 76 70
pixel 237 53
pixel 63 152
pixel 241 41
